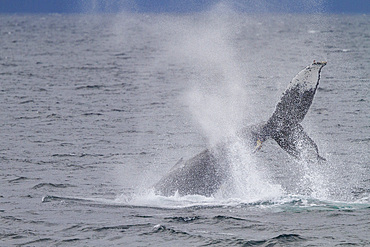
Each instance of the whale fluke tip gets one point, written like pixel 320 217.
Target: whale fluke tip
pixel 323 63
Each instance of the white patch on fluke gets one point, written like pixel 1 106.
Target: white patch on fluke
pixel 308 78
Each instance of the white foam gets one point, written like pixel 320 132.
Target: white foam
pixel 248 182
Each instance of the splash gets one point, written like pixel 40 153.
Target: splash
pixel 204 46
pixel 313 180
pixel 218 99
pixel 149 198
pixel 248 181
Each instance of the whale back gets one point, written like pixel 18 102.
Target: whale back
pixel 201 175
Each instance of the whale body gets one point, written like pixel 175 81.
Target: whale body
pixel 205 173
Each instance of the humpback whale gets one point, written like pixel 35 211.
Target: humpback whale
pixel 204 173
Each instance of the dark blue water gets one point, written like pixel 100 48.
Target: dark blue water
pixel 96 109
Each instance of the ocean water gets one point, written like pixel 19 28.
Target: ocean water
pixel 95 109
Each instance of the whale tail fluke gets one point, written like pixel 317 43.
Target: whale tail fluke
pixel 298 144
pixel 284 124
pixel 297 98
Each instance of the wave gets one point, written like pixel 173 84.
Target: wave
pixel 290 203
pixel 40 185
pixel 282 239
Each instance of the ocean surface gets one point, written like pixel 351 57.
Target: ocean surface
pixel 95 109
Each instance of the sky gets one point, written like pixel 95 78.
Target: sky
pixel 183 6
